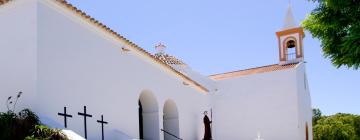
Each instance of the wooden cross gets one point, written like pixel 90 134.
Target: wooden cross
pixel 102 126
pixel 65 116
pixel 85 115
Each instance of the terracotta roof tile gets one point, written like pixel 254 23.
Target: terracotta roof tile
pixel 263 69
pixel 168 59
pixel 3 1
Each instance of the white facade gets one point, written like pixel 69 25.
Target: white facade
pixel 274 104
pixel 60 59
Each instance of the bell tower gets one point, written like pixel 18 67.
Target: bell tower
pixel 290 41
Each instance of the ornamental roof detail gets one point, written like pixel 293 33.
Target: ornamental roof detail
pixel 168 59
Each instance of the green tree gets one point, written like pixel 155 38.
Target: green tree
pixel 337 127
pixel 316 115
pixel 357 125
pixel 336 24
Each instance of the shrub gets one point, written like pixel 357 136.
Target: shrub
pixel 42 132
pixel 25 123
pixel 17 126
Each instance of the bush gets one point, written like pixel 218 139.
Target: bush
pixel 42 132
pixel 18 126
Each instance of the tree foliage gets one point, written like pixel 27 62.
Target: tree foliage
pixel 336 127
pixel 316 115
pixel 336 23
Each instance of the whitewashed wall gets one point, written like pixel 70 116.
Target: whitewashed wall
pixel 265 103
pixel 59 60
pixel 18 52
pixel 304 103
pixel 81 65
pixel 76 64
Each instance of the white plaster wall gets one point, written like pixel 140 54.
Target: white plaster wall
pixel 304 103
pixel 81 65
pixel 60 60
pixel 265 103
pixel 17 52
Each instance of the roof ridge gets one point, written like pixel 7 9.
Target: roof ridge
pixel 243 70
pixel 255 70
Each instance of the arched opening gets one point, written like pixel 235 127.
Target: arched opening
pixel 290 44
pixel 170 120
pixel 148 116
pixel 290 49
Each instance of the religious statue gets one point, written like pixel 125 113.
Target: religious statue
pixel 207 123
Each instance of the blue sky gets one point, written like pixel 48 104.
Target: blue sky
pixel 214 36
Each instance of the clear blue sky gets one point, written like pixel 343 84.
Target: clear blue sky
pixel 214 36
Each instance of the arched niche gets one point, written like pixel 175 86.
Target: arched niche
pixel 148 116
pixel 170 120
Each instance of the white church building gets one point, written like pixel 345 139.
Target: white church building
pixel 61 58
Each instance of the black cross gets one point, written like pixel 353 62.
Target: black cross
pixel 85 115
pixel 102 125
pixel 65 116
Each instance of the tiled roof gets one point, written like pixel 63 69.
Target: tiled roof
pixel 250 71
pixel 3 1
pixel 168 59
pixel 120 37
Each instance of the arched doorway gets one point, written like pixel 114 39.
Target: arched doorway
pixel 170 120
pixel 306 131
pixel 148 116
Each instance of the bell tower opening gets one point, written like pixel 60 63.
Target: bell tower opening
pixel 290 49
pixel 290 44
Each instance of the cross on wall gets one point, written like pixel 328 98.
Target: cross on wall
pixel 65 116
pixel 102 126
pixel 85 115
